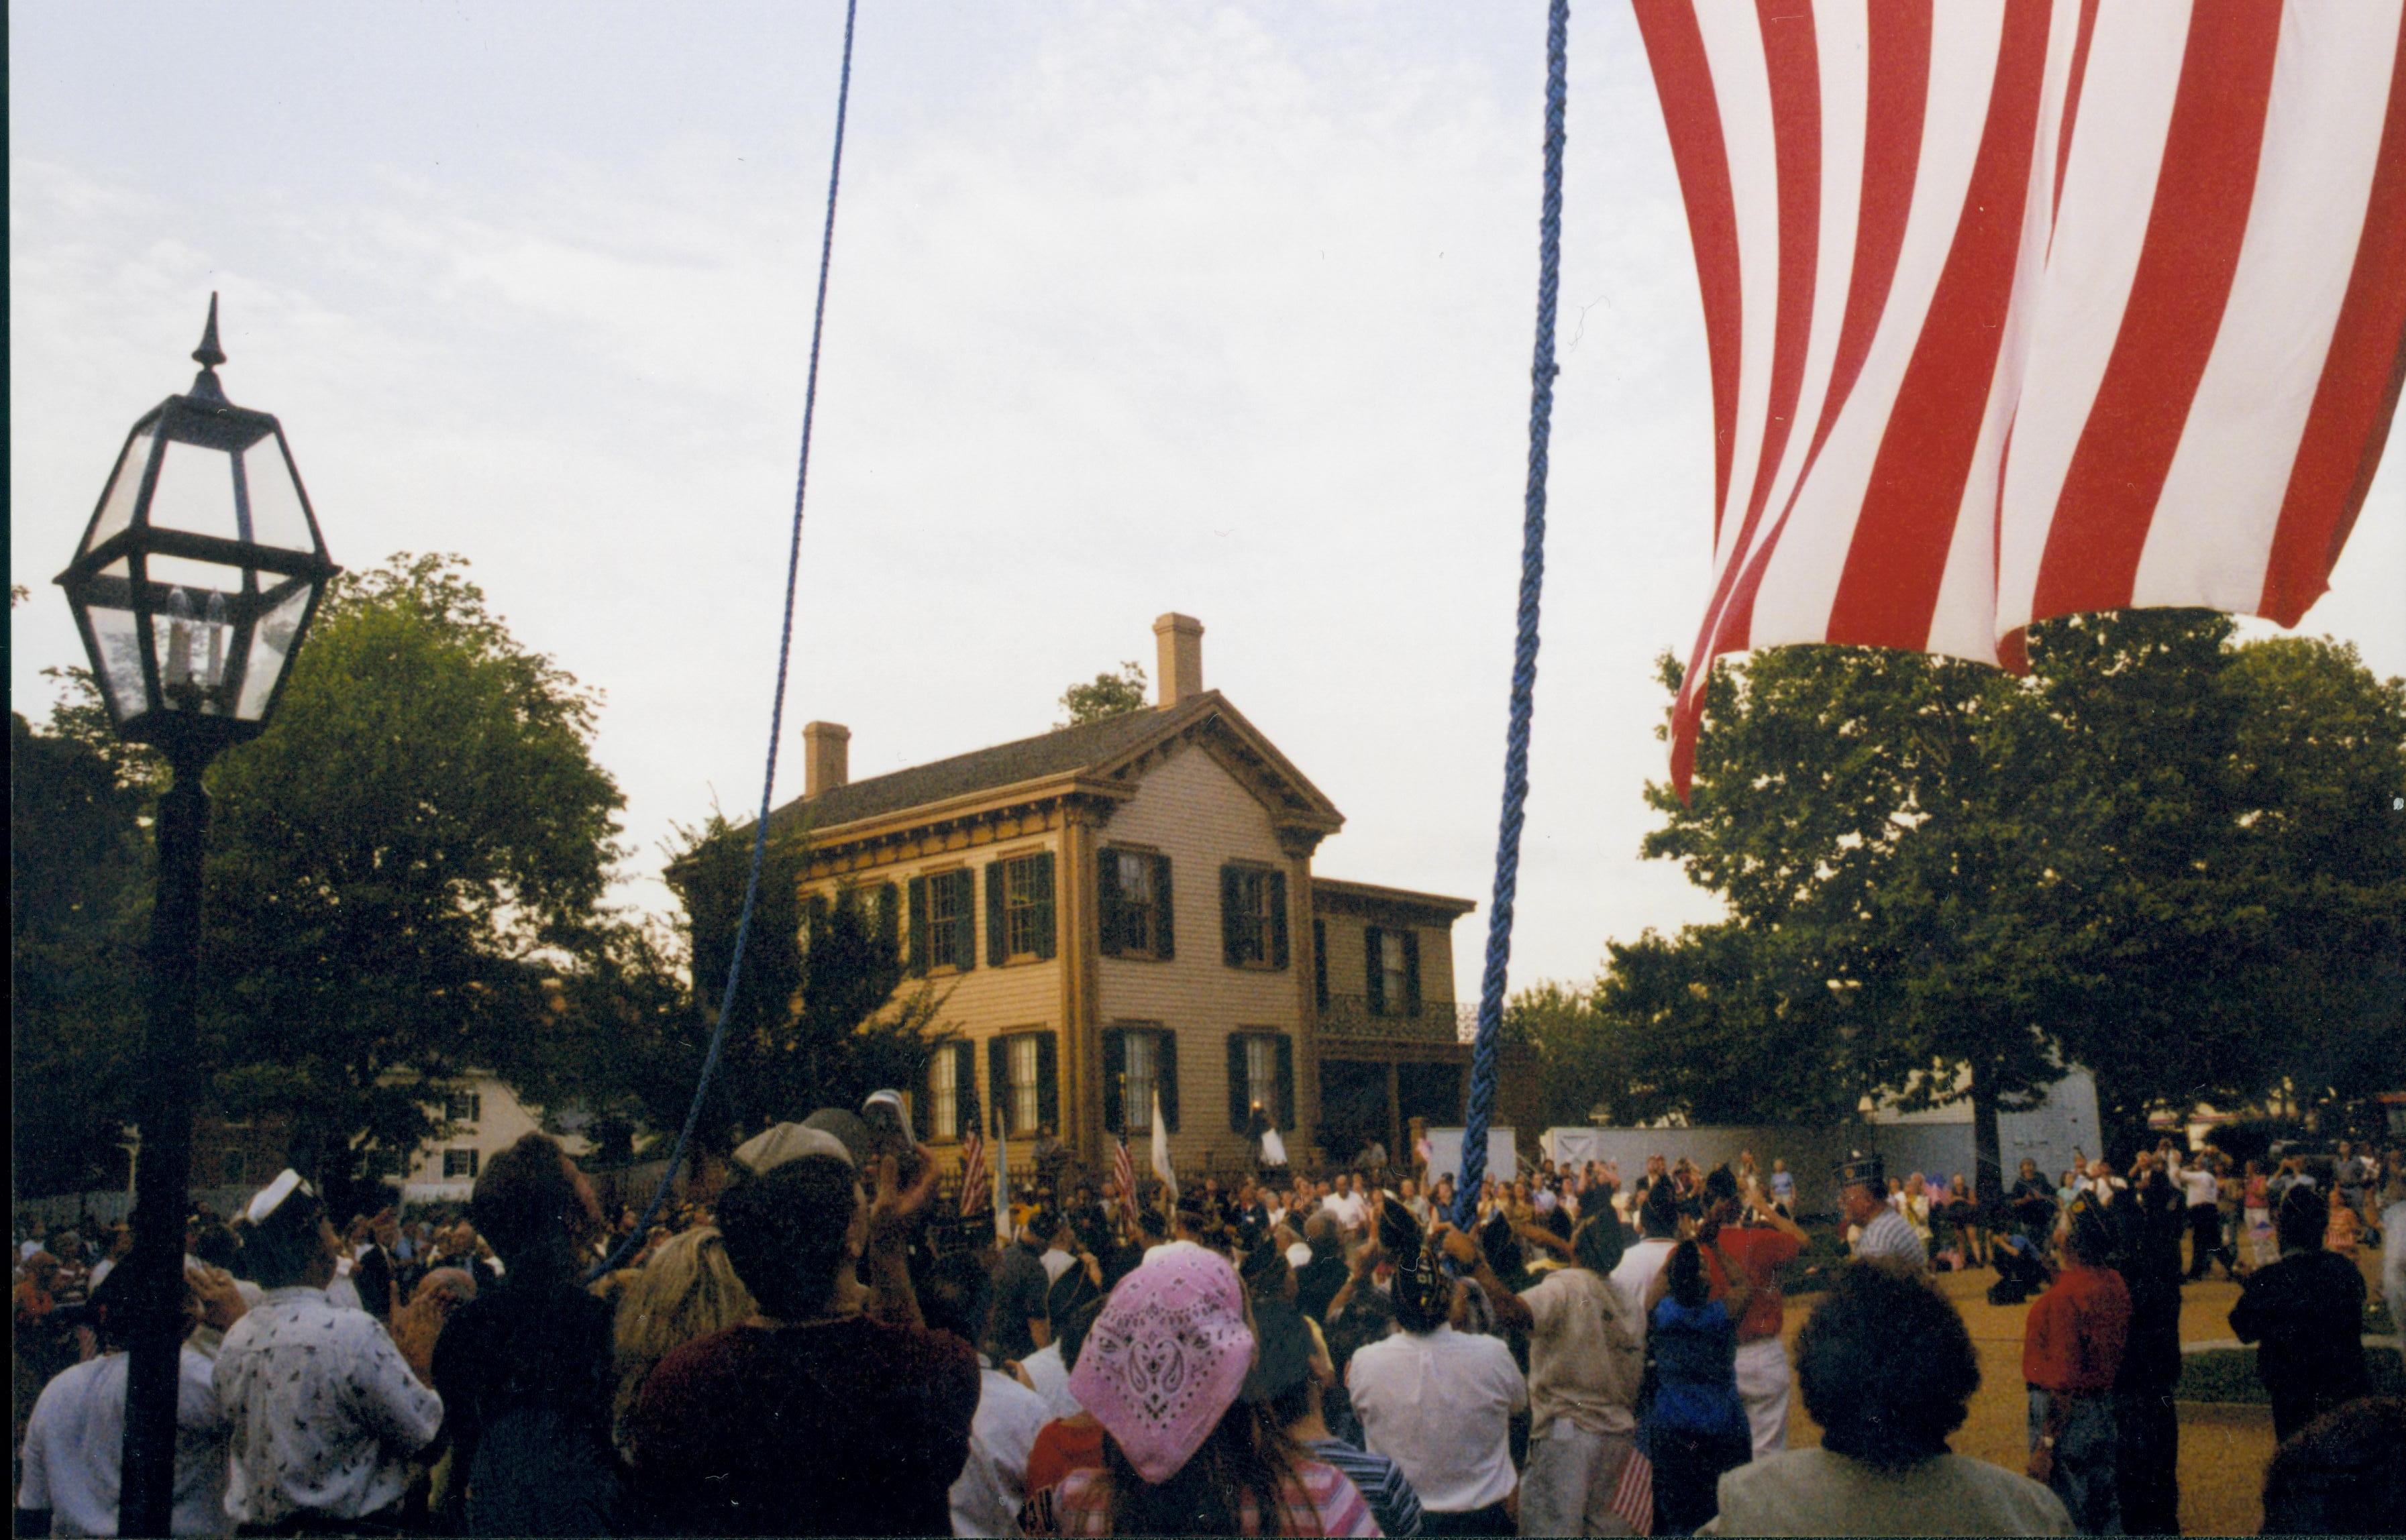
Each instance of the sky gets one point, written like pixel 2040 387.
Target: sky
pixel 1223 309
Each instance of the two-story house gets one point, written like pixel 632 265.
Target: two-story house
pixel 1126 910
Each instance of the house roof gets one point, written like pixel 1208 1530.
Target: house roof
pixel 1092 748
pixel 1331 893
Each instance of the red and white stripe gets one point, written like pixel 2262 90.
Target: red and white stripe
pixel 1123 1171
pixel 2021 307
pixel 1632 1494
pixel 975 1197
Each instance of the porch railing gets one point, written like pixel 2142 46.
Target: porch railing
pixel 1357 1016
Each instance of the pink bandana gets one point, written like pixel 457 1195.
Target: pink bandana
pixel 1165 1358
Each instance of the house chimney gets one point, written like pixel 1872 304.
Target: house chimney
pixel 1179 640
pixel 826 756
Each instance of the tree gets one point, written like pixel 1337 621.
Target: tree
pixel 820 1017
pixel 1110 695
pixel 79 906
pixel 1952 880
pixel 419 838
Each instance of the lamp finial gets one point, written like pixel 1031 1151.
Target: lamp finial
pixel 208 355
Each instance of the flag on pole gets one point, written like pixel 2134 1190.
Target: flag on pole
pixel 1161 1149
pixel 973 1174
pixel 1632 1495
pixel 2016 308
pixel 1001 1180
pixel 1123 1171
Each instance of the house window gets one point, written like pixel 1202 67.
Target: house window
pixel 1252 916
pixel 943 922
pixel 459 1165
pixel 1135 904
pixel 944 1091
pixel 1392 969
pixel 464 1107
pixel 1261 1073
pixel 1019 909
pixel 1138 1062
pixel 1023 1070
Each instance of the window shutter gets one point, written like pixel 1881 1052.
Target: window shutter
pixel 1374 974
pixel 1048 1083
pixel 1277 881
pixel 997 938
pixel 965 923
pixel 998 1087
pixel 965 1096
pixel 1169 937
pixel 814 918
pixel 889 915
pixel 1320 963
pixel 1286 1083
pixel 1044 904
pixel 1412 972
pixel 915 957
pixel 1167 1077
pixel 1114 1078
pixel 1234 947
pixel 1107 902
pixel 1238 1102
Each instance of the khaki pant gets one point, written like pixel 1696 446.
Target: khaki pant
pixel 1568 1486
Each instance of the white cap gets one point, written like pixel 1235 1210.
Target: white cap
pixel 271 1197
pixel 788 1141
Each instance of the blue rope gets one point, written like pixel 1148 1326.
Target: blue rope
pixel 777 701
pixel 1524 655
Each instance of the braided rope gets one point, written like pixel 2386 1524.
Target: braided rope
pixel 1524 655
pixel 777 701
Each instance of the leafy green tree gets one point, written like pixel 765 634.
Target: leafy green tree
pixel 1107 696
pixel 78 907
pixel 419 838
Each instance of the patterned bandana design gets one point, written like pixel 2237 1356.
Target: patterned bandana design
pixel 1166 1359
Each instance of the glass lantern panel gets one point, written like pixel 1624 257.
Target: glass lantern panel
pixel 193 623
pixel 277 516
pixel 117 507
pixel 116 638
pixel 271 648
pixel 195 492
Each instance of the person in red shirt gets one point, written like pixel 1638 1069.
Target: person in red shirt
pixel 2071 1350
pixel 1768 1242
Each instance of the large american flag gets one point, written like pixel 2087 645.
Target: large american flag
pixel 2022 308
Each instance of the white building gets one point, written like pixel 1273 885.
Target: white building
pixel 486 1118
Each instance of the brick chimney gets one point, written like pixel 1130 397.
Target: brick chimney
pixel 1178 657
pixel 826 756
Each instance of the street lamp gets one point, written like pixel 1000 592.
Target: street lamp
pixel 194 584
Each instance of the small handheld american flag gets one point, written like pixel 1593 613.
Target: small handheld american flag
pixel 1633 1497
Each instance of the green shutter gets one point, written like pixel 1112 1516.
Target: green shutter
pixel 1114 1077
pixel 1161 897
pixel 1048 1083
pixel 1374 978
pixel 1167 1077
pixel 1238 1101
pixel 889 916
pixel 997 1090
pixel 1277 881
pixel 997 933
pixel 1236 947
pixel 965 923
pixel 1286 1083
pixel 1412 972
pixel 1043 916
pixel 1107 902
pixel 916 953
pixel 1320 963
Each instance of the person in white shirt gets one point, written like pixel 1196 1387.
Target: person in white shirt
pixel 1887 1235
pixel 1436 1401
pixel 75 1435
pixel 326 1409
pixel 2198 1184
pixel 987 1495
pixel 2393 1252
pixel 1348 1205
pixel 1658 1227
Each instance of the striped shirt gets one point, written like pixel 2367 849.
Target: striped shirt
pixel 1319 1501
pixel 1380 1481
pixel 1889 1237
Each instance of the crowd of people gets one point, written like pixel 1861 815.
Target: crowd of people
pixel 812 1349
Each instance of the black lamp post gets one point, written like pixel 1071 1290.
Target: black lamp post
pixel 193 585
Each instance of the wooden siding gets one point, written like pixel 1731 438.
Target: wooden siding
pixel 1348 954
pixel 1193 811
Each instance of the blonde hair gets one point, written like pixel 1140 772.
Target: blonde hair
pixel 686 1290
